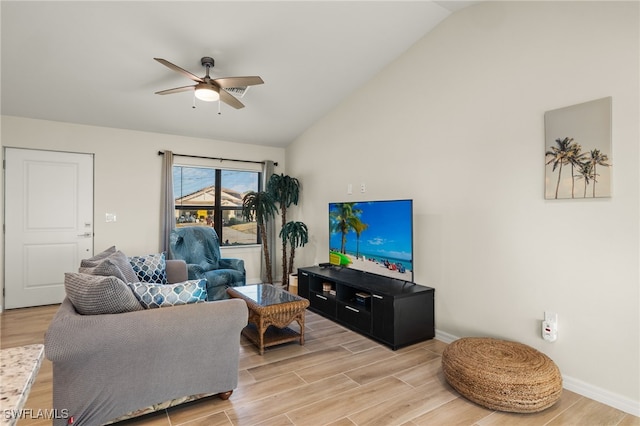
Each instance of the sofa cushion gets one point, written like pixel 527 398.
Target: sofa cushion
pixel 93 261
pixel 116 264
pixel 162 295
pixel 95 294
pixel 150 268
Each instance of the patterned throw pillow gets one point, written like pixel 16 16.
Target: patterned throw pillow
pixel 116 264
pixel 95 295
pixel 151 268
pixel 160 296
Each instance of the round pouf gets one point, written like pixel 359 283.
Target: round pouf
pixel 502 375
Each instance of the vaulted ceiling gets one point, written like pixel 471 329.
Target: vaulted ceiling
pixel 91 62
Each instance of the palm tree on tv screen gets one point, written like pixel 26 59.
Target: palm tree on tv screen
pixel 343 218
pixel 359 228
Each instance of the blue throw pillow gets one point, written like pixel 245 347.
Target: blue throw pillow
pixel 151 268
pixel 162 295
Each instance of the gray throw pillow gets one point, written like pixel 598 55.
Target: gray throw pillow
pixel 92 261
pixel 95 294
pixel 116 264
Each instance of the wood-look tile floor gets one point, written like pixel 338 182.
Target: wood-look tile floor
pixel 337 378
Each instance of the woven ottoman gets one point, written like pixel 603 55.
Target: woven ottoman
pixel 502 375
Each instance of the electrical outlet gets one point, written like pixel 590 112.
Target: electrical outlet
pixel 550 326
pixel 363 188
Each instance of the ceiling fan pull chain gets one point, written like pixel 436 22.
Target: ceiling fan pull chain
pixel 219 113
pixel 194 100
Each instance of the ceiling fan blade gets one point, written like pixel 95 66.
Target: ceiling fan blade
pixel 238 81
pixel 230 100
pixel 180 70
pixel 175 90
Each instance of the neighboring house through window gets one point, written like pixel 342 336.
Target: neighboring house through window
pixel 206 196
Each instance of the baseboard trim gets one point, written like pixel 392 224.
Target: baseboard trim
pixel 445 337
pixel 604 396
pixel 587 390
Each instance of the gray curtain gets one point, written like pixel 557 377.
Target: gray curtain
pixel 267 171
pixel 167 220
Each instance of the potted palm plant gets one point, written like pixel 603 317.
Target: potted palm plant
pixel 260 206
pixel 295 234
pixel 285 190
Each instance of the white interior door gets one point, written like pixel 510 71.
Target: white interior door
pixel 48 223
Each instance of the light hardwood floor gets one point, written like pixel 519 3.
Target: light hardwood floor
pixel 337 378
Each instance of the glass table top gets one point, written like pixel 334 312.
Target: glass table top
pixel 266 294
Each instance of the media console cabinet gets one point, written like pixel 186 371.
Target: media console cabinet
pixel 395 312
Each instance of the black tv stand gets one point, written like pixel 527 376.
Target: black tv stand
pixel 395 312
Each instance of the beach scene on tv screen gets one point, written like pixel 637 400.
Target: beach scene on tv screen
pixel 374 236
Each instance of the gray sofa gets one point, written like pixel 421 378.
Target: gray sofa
pixel 114 366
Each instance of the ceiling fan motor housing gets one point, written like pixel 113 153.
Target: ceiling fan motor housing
pixel 207 62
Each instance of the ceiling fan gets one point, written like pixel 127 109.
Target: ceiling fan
pixel 209 89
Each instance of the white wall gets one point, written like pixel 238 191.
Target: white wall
pixel 128 177
pixel 457 124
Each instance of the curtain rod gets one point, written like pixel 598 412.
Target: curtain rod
pixel 217 158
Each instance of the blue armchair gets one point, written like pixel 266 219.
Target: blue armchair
pixel 199 247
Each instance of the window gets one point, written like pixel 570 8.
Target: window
pixel 213 197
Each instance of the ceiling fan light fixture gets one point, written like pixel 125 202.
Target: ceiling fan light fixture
pixel 206 92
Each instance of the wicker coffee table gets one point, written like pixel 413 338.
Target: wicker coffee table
pixel 271 310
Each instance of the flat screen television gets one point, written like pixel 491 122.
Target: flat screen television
pixel 373 236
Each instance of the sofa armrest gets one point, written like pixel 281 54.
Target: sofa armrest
pixel 176 271
pixel 232 263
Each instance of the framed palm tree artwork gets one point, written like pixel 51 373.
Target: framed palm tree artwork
pixel 578 151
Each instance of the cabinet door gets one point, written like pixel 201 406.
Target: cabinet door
pixel 303 284
pixel 356 317
pixel 323 302
pixel 382 318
